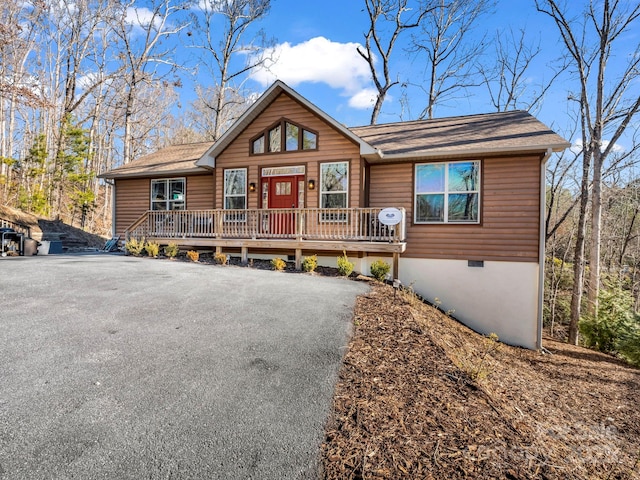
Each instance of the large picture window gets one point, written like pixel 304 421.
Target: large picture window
pixel 447 192
pixel 168 194
pixel 235 189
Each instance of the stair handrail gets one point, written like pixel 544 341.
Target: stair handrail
pixel 141 219
pixel 17 226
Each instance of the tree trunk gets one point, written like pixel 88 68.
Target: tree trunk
pixel 578 256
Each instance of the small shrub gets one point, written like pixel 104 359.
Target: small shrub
pixel 152 249
pixel 278 264
pixel 410 295
pixel 309 264
pixel 134 246
pixel 476 367
pixel 345 267
pixel 171 250
pixel 220 258
pixel 615 314
pixel 193 255
pixel 380 269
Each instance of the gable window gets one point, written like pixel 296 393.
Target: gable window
pixel 168 194
pixel 235 189
pixel 284 136
pixel 447 192
pixel 275 139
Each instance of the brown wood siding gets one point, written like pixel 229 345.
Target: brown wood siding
pixel 133 197
pixel 200 192
pixel 332 147
pixel 509 212
pixel 132 200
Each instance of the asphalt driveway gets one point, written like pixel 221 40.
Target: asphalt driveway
pixel 119 367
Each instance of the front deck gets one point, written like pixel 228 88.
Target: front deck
pixel 300 230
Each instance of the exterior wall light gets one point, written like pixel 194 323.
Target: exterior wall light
pixel 312 184
pixel 252 187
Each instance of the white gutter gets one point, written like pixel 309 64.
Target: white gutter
pixel 541 246
pixel 403 157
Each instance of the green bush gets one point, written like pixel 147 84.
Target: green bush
pixel 380 269
pixel 152 249
pixel 628 344
pixel 309 264
pixel 616 328
pixel 171 250
pixel 602 331
pixel 345 267
pixel 134 246
pixel 278 264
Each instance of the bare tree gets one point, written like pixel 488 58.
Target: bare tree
pixel 451 57
pixel 605 115
pixel 144 58
pixel 397 15
pixel 220 46
pixel 507 75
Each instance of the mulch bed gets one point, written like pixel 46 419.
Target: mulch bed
pixel 422 396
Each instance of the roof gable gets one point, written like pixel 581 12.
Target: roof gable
pixel 208 160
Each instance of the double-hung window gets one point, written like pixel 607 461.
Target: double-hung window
pixel 235 191
pixel 168 194
pixel 334 188
pixel 447 192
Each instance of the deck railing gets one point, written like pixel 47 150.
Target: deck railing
pixel 334 224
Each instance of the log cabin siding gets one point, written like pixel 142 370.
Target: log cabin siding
pixel 509 212
pixel 332 147
pixel 133 197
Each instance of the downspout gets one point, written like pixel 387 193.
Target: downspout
pixel 541 246
pixel 113 205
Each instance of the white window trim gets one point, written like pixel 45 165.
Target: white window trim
pixel 168 201
pixel 446 194
pixel 346 192
pixel 224 188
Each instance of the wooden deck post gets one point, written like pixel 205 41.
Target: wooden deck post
pixel 396 261
pixel 244 254
pixel 298 259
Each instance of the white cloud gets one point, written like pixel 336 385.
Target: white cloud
pixel 365 98
pixel 140 17
pixel 319 60
pixel 576 146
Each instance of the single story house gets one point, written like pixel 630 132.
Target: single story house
pixel 454 204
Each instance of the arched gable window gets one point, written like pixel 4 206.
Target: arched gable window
pixel 284 136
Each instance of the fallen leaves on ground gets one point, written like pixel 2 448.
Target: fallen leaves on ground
pixel 421 396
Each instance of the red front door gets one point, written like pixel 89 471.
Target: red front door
pixel 283 193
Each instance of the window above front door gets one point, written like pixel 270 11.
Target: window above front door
pixel 284 136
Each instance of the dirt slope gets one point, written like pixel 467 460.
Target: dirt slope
pixel 43 229
pixel 421 396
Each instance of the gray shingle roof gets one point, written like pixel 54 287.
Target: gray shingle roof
pixel 455 136
pixel 176 159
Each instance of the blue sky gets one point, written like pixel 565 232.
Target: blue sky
pixel 316 44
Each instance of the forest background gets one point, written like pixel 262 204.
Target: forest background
pixel 88 85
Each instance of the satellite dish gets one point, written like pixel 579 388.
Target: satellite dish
pixel 390 216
